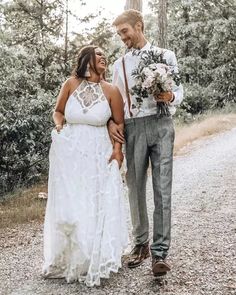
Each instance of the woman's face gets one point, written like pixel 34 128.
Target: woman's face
pixel 100 61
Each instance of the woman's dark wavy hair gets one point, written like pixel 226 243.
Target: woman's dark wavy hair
pixel 85 55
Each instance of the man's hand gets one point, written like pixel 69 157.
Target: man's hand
pixel 116 132
pixel 118 156
pixel 165 97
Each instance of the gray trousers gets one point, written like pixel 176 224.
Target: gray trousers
pixel 150 138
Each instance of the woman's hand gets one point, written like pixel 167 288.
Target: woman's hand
pixel 116 131
pixel 58 127
pixel 118 156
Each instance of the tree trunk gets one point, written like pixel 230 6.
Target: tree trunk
pixel 66 38
pixel 186 9
pixel 41 22
pixel 162 24
pixel 134 4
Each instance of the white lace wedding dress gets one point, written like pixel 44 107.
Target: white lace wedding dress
pixel 85 225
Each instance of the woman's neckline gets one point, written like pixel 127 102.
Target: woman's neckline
pixel 92 82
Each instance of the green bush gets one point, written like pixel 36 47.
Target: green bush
pixel 197 99
pixel 25 120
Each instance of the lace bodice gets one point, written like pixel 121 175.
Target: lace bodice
pixel 87 105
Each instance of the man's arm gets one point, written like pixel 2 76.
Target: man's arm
pixel 117 110
pixel 177 89
pixel 175 96
pixel 115 130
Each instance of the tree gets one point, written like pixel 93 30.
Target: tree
pixel 203 34
pixel 36 56
pixel 134 4
pixel 66 35
pixel 162 24
pixel 37 26
pixel 159 8
pixel 31 68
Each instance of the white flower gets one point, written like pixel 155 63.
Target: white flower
pixel 152 66
pixel 161 69
pixel 147 83
pixel 147 72
pixel 169 83
pixel 152 76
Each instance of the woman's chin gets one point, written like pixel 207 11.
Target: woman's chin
pixel 101 69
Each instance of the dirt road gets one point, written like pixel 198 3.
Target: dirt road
pixel 203 249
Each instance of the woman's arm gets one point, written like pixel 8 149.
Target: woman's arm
pixel 58 114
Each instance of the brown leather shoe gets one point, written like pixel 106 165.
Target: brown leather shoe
pixel 138 254
pixel 159 266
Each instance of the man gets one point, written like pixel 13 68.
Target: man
pixel 148 137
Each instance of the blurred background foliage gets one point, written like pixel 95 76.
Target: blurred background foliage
pixel 37 54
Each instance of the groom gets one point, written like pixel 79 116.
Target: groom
pixel 148 137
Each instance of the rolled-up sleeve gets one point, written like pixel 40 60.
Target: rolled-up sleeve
pixel 177 90
pixel 117 81
pixel 115 75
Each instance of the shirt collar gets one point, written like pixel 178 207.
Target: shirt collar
pixel 147 46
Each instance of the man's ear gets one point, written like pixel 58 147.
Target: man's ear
pixel 139 26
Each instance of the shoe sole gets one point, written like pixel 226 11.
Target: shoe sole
pixel 160 275
pixel 160 269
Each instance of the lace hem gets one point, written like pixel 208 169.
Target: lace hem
pixel 74 264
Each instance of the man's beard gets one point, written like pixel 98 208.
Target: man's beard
pixel 129 43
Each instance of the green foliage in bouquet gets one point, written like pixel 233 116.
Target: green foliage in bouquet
pixel 153 75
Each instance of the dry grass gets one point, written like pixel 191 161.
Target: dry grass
pixel 24 206
pixel 213 124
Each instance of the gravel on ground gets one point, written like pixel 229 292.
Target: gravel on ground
pixel 203 248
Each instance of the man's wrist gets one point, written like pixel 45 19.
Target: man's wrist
pixel 110 121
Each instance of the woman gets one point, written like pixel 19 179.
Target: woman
pixel 85 227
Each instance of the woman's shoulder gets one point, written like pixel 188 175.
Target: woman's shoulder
pixel 72 80
pixel 109 86
pixel 112 91
pixel 71 83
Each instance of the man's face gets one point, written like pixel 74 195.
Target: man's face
pixel 129 35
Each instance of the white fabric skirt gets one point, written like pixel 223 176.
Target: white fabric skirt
pixel 85 230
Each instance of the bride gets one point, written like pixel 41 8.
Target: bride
pixel 85 226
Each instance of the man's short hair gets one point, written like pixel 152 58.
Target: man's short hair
pixel 131 17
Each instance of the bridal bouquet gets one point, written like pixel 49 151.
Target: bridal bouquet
pixel 153 76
